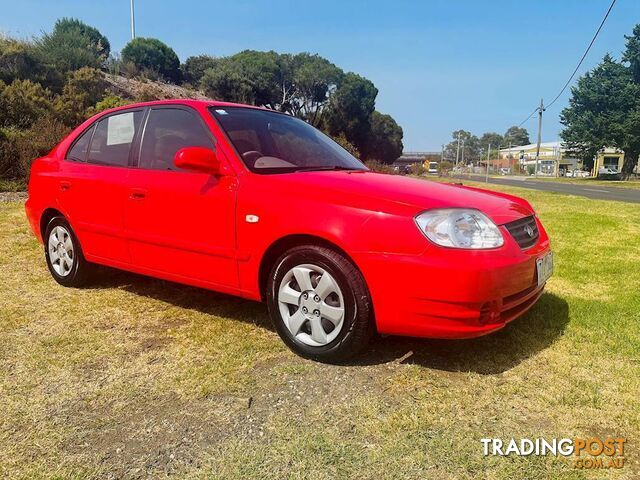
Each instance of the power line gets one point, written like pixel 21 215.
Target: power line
pixel 584 55
pixel 526 119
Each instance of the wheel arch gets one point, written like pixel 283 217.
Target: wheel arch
pixel 46 217
pixel 278 247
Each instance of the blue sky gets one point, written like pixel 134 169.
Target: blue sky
pixel 439 65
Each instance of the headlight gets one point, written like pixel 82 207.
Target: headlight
pixel 459 228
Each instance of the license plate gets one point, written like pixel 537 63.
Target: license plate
pixel 544 267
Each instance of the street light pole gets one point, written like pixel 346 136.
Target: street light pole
pixel 458 150
pixel 133 22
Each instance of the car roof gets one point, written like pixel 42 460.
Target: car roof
pixel 190 102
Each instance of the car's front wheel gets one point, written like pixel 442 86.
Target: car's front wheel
pixel 63 254
pixel 319 303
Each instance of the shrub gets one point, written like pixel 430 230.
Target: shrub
pixel 379 167
pixel 84 88
pixel 9 163
pixel 20 60
pixel 349 147
pixel 417 169
pixel 96 41
pixel 445 167
pixel 149 93
pixel 22 103
pixel 194 67
pixel 19 148
pixel 150 54
pixel 73 45
pixel 110 101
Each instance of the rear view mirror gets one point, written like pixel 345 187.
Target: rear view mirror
pixel 198 159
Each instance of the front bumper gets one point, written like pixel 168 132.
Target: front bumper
pixel 449 293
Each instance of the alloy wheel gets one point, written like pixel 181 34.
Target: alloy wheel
pixel 311 305
pixel 61 253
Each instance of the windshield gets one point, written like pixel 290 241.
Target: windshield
pixel 271 142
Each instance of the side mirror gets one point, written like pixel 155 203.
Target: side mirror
pixel 198 159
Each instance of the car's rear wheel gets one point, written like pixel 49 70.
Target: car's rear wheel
pixel 64 255
pixel 319 303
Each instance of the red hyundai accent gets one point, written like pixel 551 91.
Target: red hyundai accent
pixel 259 204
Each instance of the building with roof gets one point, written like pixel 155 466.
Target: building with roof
pixel 553 159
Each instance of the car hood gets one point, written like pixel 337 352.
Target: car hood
pixel 382 191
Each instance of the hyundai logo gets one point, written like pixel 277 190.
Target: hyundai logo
pixel 528 230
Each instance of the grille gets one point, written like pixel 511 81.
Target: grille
pixel 520 231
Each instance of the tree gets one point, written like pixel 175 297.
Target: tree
pixel 385 139
pixel 226 82
pixel 493 139
pixel 298 84
pixel 469 151
pixel 21 60
pixel 313 81
pixel 604 111
pixel 73 44
pixel 350 109
pixel 194 67
pixel 632 53
pixel 96 40
pixel 152 55
pixel 516 136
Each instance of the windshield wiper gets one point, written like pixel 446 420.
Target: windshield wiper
pixel 324 168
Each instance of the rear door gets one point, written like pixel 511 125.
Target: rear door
pixel 180 223
pixel 93 185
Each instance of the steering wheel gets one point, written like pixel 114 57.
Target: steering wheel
pixel 251 157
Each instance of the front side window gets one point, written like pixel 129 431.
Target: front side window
pixel 271 142
pixel 167 131
pixel 113 137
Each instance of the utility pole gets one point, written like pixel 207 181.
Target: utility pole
pixel 488 155
pixel 442 154
pixel 463 152
pixel 540 110
pixel 133 22
pixel 458 150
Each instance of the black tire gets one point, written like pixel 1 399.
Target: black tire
pixel 80 270
pixel 358 312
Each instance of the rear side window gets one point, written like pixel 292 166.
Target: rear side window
pixel 78 151
pixel 167 131
pixel 113 137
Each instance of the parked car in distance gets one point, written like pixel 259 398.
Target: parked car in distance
pixel 608 173
pixel 505 171
pixel 259 204
pixel 433 168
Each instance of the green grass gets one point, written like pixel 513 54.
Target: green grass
pixel 585 181
pixel 138 377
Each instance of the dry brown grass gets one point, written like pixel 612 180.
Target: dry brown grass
pixel 135 377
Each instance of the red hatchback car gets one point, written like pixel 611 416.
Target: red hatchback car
pixel 259 204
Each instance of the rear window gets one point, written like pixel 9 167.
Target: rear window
pixel 113 137
pixel 78 152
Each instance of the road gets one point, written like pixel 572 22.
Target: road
pixel 597 192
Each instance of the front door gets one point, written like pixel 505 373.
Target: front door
pixel 180 223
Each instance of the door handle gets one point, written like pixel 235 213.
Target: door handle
pixel 137 194
pixel 64 185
